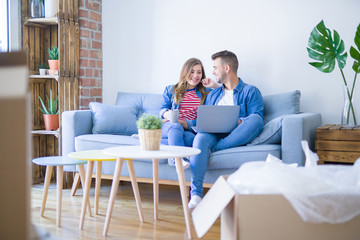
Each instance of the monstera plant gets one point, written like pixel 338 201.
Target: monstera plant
pixel 328 49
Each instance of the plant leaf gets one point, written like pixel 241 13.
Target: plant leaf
pixel 354 53
pixel 44 109
pixel 357 37
pixel 325 49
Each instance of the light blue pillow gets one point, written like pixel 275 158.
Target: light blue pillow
pixel 113 119
pixel 280 104
pixel 271 134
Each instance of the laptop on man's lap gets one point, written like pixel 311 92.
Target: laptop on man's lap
pixel 217 119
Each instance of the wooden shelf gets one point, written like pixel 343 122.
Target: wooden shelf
pixel 44 132
pixel 41 21
pixel 56 77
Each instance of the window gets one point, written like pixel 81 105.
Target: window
pixel 4 26
pixel 10 31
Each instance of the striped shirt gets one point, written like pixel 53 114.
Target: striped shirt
pixel 189 105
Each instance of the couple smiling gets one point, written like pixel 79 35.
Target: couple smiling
pixel 192 90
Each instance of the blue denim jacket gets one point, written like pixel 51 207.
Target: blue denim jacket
pixel 248 97
pixel 167 103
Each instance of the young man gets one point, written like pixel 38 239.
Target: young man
pixel 233 91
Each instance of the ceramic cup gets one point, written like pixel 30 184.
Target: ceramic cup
pixel 174 115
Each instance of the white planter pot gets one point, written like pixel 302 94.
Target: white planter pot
pixel 51 8
pixel 42 71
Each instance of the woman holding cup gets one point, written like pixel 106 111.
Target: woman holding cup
pixel 180 103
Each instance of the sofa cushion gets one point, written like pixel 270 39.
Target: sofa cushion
pixel 113 119
pixel 143 102
pixel 280 104
pixel 271 134
pixel 102 141
pixel 235 157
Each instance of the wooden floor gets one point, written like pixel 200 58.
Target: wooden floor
pixel 125 223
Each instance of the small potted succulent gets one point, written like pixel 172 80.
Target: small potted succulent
pixel 53 60
pixel 50 113
pixel 42 69
pixel 149 128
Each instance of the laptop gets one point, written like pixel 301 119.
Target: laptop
pixel 216 119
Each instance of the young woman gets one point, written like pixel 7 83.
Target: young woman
pixel 185 96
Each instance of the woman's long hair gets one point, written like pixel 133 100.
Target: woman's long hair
pixel 180 88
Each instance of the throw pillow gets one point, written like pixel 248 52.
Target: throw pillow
pixel 113 119
pixel 280 104
pixel 271 134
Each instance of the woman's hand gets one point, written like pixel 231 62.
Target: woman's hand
pixel 209 83
pixel 166 115
pixel 184 124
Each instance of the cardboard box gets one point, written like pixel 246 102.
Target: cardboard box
pixel 262 217
pixel 15 148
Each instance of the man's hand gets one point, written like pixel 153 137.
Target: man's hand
pixel 209 83
pixel 239 122
pixel 184 124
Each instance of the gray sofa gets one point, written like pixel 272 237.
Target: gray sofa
pixel 106 126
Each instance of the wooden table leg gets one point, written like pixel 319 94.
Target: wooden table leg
pixel 46 188
pixel 75 184
pixel 114 188
pixel 82 180
pixel 59 186
pixel 97 185
pixel 86 192
pixel 135 188
pixel 156 186
pixel 181 176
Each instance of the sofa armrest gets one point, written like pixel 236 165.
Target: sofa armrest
pixel 74 123
pixel 297 127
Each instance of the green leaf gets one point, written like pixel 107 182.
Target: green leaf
pixel 325 49
pixel 357 37
pixel 356 67
pixel 354 53
pixel 44 109
pixel 52 105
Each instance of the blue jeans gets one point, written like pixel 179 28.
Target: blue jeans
pixel 176 134
pixel 244 133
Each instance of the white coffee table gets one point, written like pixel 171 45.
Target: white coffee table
pixel 134 152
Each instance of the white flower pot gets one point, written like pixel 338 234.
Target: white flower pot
pixel 51 8
pixel 42 71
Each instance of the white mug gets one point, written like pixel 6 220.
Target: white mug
pixel 174 115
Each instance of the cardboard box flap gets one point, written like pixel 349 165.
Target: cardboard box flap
pixel 216 199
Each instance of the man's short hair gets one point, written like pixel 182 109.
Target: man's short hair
pixel 227 58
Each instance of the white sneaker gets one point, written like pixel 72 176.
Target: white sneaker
pixel 194 201
pixel 185 164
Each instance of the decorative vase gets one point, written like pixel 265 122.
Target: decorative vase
pixel 51 122
pixel 37 9
pixel 51 8
pixel 150 139
pixel 349 113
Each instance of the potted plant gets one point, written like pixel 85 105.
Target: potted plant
pixel 53 60
pixel 149 128
pixel 50 113
pixel 328 50
pixel 42 69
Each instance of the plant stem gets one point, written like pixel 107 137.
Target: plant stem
pixel 350 98
pixel 352 91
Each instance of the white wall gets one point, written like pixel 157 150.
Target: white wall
pixel 146 42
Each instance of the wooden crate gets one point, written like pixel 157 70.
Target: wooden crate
pixel 337 143
pixel 39 34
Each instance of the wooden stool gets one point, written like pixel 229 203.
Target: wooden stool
pixel 59 162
